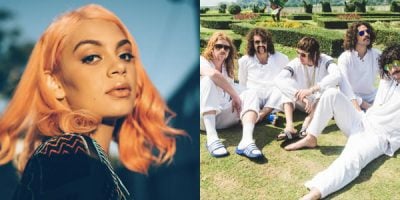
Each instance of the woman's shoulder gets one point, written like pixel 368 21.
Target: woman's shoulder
pixel 65 145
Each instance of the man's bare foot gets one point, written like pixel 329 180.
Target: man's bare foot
pixel 314 194
pixel 309 141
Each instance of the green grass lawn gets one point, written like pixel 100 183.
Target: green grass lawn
pixel 283 173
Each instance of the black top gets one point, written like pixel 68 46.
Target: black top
pixel 70 167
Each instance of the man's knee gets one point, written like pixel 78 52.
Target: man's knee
pixel 330 93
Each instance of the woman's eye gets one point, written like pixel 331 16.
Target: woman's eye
pixel 126 57
pixel 90 59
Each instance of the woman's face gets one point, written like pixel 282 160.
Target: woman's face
pixel 97 69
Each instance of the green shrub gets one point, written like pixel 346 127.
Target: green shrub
pixel 204 37
pixel 258 8
pixel 307 7
pixel 349 7
pixel 330 41
pixel 255 9
pixel 395 6
pixel 361 5
pixel 261 8
pixel 326 6
pixel 371 9
pixel 215 23
pixel 234 9
pixel 387 36
pixel 222 8
pixel 204 10
pixel 335 23
pixel 299 16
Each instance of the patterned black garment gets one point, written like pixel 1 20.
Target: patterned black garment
pixel 70 167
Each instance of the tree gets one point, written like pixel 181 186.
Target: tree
pixel 13 55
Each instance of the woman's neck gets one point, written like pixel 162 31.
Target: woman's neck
pixel 103 134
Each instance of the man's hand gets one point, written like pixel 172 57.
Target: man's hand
pixel 301 94
pixel 365 105
pixel 309 105
pixel 236 104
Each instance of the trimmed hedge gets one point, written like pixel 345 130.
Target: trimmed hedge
pixel 387 36
pixel 215 15
pixel 300 16
pixel 368 14
pixel 330 41
pixel 214 23
pixel 204 37
pixel 335 23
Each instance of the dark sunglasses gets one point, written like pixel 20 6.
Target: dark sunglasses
pixel 258 42
pixel 362 33
pixel 390 66
pixel 302 54
pixel 220 46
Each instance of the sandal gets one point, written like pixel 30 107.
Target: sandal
pixel 302 132
pixel 214 146
pixel 248 151
pixel 286 135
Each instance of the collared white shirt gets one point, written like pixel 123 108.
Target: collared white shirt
pixel 252 74
pixel 361 74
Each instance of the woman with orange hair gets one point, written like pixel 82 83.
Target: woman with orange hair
pixel 84 85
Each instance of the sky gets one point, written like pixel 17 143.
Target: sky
pixel 166 31
pixel 214 2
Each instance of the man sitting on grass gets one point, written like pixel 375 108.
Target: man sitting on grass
pixel 303 81
pixel 222 104
pixel 370 134
pixel 259 68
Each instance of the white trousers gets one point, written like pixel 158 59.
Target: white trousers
pixel 361 148
pixel 210 100
pixel 270 97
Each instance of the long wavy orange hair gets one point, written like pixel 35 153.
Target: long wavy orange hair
pixel 35 111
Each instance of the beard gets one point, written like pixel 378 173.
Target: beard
pixel 260 48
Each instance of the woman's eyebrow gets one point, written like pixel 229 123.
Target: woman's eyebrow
pixel 93 42
pixel 122 43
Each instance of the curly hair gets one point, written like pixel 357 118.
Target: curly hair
pixel 350 39
pixel 229 61
pixel 310 45
pixel 265 35
pixel 388 55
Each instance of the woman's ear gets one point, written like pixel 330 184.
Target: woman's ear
pixel 55 86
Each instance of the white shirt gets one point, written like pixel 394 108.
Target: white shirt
pixel 223 96
pixel 360 73
pixel 325 75
pixel 383 117
pixel 252 74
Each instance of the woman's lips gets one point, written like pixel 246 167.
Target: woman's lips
pixel 120 91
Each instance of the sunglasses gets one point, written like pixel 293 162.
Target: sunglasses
pixel 362 33
pixel 220 46
pixel 302 54
pixel 258 42
pixel 390 66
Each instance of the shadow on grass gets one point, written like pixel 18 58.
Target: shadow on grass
pixel 365 174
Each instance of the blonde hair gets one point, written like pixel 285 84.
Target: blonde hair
pixel 229 61
pixel 34 110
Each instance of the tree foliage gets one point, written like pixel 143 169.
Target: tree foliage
pixel 13 54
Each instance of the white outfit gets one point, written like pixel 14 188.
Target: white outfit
pixel 213 97
pixel 260 77
pixel 297 76
pixel 359 74
pixel 370 134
